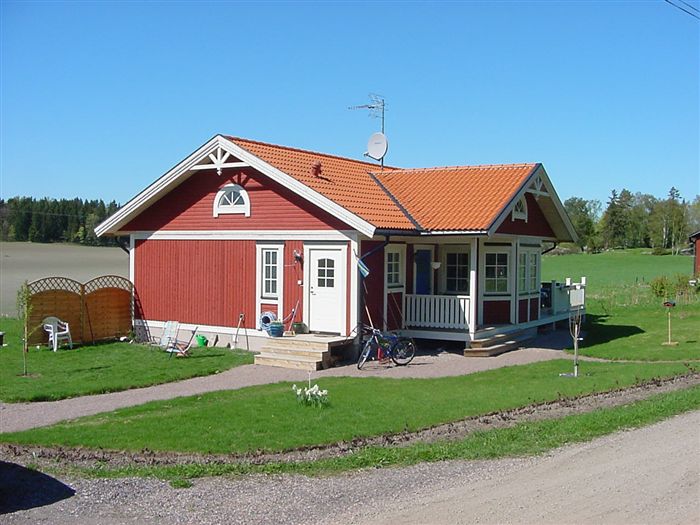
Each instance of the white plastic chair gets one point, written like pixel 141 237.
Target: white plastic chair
pixel 58 331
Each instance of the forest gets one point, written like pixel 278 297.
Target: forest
pixel 635 220
pixel 54 220
pixel 629 220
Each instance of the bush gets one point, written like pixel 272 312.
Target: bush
pixel 660 251
pixel 660 286
pixel 677 287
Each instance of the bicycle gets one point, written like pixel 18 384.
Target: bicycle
pixel 400 349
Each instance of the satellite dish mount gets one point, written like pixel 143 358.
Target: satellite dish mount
pixel 377 145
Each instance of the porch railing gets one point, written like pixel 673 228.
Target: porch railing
pixel 437 311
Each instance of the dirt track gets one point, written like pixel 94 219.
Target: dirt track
pixel 650 475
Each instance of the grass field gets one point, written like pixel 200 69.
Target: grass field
pixel 614 269
pixel 625 320
pixel 268 417
pixel 99 368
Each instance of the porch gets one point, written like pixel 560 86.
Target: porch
pixel 454 317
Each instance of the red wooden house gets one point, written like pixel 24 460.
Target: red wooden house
pixel 244 227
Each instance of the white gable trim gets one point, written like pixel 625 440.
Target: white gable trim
pixel 548 193
pixel 186 168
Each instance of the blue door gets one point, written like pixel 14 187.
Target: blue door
pixel 422 260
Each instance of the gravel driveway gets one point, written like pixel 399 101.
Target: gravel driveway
pixel 649 475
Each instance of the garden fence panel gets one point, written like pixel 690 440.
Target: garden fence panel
pixel 97 310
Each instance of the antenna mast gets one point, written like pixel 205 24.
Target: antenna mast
pixel 376 110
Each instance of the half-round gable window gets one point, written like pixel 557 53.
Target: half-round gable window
pixel 232 198
pixel 520 209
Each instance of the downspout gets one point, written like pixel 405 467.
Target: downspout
pixel 554 245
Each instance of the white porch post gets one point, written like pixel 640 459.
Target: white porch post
pixel 473 298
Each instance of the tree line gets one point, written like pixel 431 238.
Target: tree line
pixel 635 220
pixel 54 220
pixel 629 220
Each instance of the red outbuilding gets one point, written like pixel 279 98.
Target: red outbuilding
pixel 695 241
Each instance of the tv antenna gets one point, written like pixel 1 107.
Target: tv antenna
pixel 376 107
pixel 377 145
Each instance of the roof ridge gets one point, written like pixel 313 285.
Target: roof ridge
pixel 302 150
pixel 472 166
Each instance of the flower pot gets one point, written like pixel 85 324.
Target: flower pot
pixel 276 330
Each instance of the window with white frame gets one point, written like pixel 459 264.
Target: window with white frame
pixel 496 273
pixel 520 209
pixel 270 274
pixel 528 267
pixel 456 272
pixel 394 267
pixel 231 199
pixel 326 273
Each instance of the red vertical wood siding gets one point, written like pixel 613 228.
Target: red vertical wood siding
pixel 523 306
pixel 198 282
pixel 536 224
pixel 394 312
pixel 496 312
pixel 410 253
pixel 272 207
pixel 534 309
pixel 697 256
pixel 293 273
pixel 373 297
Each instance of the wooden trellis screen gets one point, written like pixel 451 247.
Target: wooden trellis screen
pixel 97 310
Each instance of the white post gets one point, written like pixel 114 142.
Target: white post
pixel 473 264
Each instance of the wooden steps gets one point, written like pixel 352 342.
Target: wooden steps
pixel 300 352
pixel 498 344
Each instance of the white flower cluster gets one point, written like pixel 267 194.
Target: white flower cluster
pixel 311 395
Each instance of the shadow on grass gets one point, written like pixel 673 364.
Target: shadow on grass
pixel 599 331
pixel 22 488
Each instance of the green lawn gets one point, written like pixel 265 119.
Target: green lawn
pixel 99 368
pixel 522 440
pixel 268 417
pixel 636 333
pixel 614 269
pixel 625 320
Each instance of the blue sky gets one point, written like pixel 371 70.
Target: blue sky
pixel 98 99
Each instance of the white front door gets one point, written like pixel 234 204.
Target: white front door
pixel 326 289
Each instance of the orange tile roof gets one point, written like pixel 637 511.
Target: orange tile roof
pixel 457 198
pixel 463 198
pixel 345 181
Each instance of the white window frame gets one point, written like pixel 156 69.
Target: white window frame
pixel 522 213
pixel 228 209
pixel 529 280
pixel 260 296
pixel 397 250
pixel 508 278
pixel 454 249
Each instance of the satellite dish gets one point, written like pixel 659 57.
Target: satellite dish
pixel 377 146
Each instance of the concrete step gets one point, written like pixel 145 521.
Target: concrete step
pixel 288 361
pixel 497 345
pixel 293 342
pixel 301 351
pixel 499 339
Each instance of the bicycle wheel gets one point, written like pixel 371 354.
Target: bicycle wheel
pixel 402 351
pixel 366 350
